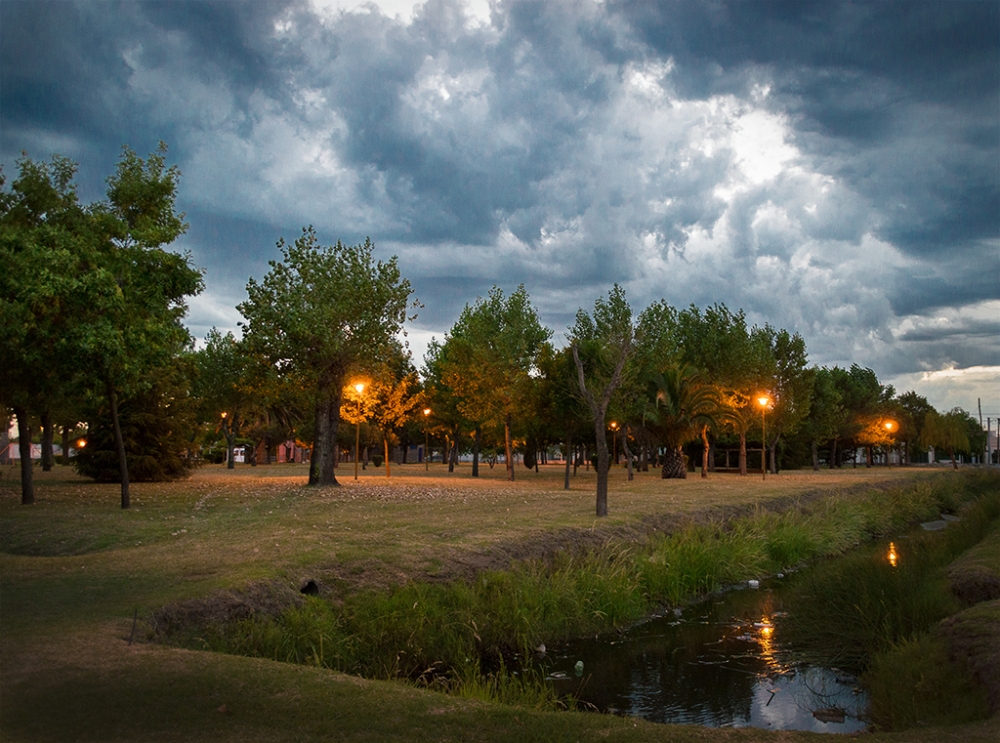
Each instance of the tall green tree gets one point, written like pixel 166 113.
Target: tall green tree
pixel 825 413
pixel 861 396
pixel 224 387
pixel 392 396
pixel 41 222
pixel 156 422
pixel 790 386
pixel 319 314
pixel 718 342
pixel 684 406
pixel 90 291
pixel 565 417
pixel 948 431
pixel 913 413
pixel 448 418
pixel 602 343
pixel 135 296
pixel 493 353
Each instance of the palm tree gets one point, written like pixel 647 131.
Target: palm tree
pixel 685 406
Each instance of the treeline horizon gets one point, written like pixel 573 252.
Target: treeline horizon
pixel 95 303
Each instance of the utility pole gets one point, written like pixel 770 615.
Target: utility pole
pixel 986 447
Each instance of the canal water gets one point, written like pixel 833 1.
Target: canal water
pixel 719 663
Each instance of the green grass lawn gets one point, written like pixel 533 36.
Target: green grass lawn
pixel 74 568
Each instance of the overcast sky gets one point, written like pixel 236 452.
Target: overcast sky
pixel 830 167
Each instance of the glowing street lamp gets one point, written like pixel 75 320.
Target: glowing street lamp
pixel 763 401
pixel 889 426
pixel 359 387
pixel 427 462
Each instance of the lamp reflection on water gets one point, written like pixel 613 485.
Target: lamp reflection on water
pixel 892 554
pixel 765 639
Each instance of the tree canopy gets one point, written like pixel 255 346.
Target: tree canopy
pixel 602 342
pixel 104 296
pixel 321 313
pixel 491 354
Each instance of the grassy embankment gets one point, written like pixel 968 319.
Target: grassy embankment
pixel 74 569
pixel 884 619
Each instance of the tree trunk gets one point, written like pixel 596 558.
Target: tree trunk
pixel 628 453
pixel 119 442
pixel 570 455
pixel 598 409
pixel 815 454
pixel 954 464
pixel 674 467
pixel 313 463
pixel 508 449
pixel 706 448
pixel 48 435
pixel 743 453
pixel 773 450
pixel 833 453
pixel 603 464
pixel 453 456
pixel 475 452
pixel 230 435
pixel 24 449
pixel 385 442
pixel 321 471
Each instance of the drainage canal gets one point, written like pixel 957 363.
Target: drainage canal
pixel 719 663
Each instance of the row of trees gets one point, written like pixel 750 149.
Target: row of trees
pixel 96 302
pixel 92 301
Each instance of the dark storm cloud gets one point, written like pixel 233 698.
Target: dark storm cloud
pixel 832 167
pixel 938 50
pixel 971 329
pixel 866 78
pixel 949 282
pixel 65 71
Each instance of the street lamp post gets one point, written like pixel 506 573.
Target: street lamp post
pixel 763 401
pixel 614 442
pixel 360 387
pixel 427 462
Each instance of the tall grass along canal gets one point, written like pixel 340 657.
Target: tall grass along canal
pixel 794 653
pixel 481 637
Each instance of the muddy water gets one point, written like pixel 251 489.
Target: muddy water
pixel 719 663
